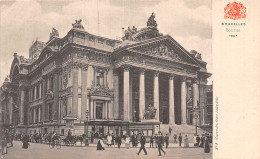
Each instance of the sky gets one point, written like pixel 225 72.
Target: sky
pixel 23 21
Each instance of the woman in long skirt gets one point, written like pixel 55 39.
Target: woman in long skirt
pixel 206 146
pixel 100 145
pixel 109 140
pixel 186 141
pixel 25 142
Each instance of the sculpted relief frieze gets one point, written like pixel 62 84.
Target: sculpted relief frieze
pixel 66 70
pixel 90 55
pixel 48 68
pixel 162 50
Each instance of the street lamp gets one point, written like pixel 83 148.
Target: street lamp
pixel 196 116
pixel 87 113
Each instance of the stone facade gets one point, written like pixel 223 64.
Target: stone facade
pixel 117 82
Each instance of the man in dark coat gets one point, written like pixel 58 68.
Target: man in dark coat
pixel 160 141
pixel 151 141
pixel 197 140
pixel 170 130
pixel 166 138
pixel 175 139
pixel 118 140
pixel 142 141
pixel 207 146
pixel 180 139
pixel 113 139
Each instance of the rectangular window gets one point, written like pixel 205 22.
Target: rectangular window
pixel 37 115
pixel 37 91
pixel 62 131
pixel 99 110
pixel 50 111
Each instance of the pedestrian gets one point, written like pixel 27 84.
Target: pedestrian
pixel 206 146
pixel 25 141
pixel 180 139
pixel 127 141
pixel 163 139
pixel 198 140
pixel 170 130
pixel 194 139
pixel 160 141
pixel 113 139
pixel 100 144
pixel 202 141
pixel 135 140
pixel 186 141
pixel 142 141
pixel 92 137
pixel 151 141
pixel 166 138
pixel 3 140
pixel 156 140
pixel 109 140
pixel 175 139
pixel 118 140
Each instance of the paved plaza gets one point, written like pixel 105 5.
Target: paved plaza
pixel 42 151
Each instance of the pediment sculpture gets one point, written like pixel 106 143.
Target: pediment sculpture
pixel 162 50
pixel 149 112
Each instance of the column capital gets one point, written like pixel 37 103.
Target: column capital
pixel 126 67
pixel 156 73
pixel 76 65
pixel 84 67
pixel 195 81
pixel 183 79
pixel 171 76
pixel 142 71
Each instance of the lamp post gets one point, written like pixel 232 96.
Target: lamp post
pixel 196 116
pixel 87 113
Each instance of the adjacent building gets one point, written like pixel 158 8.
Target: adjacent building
pixel 144 80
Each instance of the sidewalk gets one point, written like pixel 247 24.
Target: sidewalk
pixel 147 145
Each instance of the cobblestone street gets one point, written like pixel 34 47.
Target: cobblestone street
pixel 42 151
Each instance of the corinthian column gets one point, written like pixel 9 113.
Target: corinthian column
pixel 126 94
pixel 156 94
pixel 183 100
pixel 171 100
pixel 195 93
pixel 21 110
pixel 141 93
pixel 195 98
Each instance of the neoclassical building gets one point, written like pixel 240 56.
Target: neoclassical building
pixel 116 82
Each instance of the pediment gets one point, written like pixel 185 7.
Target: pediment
pixel 164 47
pixel 99 91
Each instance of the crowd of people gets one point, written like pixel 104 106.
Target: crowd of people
pixel 155 141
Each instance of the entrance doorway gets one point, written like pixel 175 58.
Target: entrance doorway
pixel 164 115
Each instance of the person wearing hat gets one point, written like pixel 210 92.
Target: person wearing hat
pixel 160 142
pixel 143 141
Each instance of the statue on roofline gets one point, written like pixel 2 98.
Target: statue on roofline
pixel 151 21
pixel 54 33
pixel 78 24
